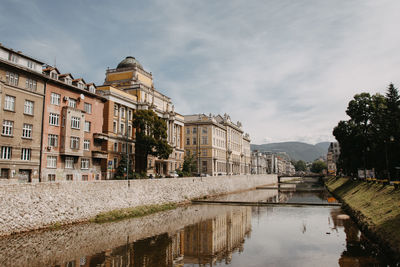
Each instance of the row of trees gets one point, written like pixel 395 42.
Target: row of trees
pixel 370 139
pixel 317 166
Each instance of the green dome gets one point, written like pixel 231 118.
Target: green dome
pixel 129 62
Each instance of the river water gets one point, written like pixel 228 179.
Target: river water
pixel 208 235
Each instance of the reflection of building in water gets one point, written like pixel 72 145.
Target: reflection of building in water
pixel 156 251
pixel 215 239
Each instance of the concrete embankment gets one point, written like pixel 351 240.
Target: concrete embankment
pixel 28 207
pixel 375 207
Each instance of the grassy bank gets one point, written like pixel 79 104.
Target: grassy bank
pixel 376 207
pixel 139 211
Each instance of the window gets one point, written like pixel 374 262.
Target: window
pixel 88 108
pixel 188 130
pixel 130 130
pixel 194 130
pixel 51 177
pixel 26 154
pixel 74 142
pixel 13 57
pixel 7 128
pixel 204 152
pixel 27 130
pixel 86 144
pixel 30 64
pixel 54 119
pixel 121 128
pixel 54 75
pixel 204 140
pixel 115 162
pixel 188 141
pixel 31 84
pixel 55 99
pixel 51 161
pixel 12 78
pixel 204 130
pixel 115 126
pixel 68 81
pixel 75 122
pixel 72 103
pixel 6 152
pixel 85 177
pixel 116 147
pixel 5 173
pixel 80 85
pixel 69 162
pixel 28 107
pixel 53 140
pixel 115 110
pixel 123 147
pixel 9 103
pixel 123 113
pixel 130 114
pixel 69 177
pixel 87 126
pixel 84 164
pixel 194 140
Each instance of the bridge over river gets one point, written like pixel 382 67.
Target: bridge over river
pixel 293 223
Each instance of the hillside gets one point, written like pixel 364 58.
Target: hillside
pixel 296 150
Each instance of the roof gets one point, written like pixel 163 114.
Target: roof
pixel 129 62
pixel 21 54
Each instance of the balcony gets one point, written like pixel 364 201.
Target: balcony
pixel 99 154
pixel 100 136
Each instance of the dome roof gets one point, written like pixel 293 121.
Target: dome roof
pixel 129 62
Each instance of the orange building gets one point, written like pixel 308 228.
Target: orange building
pixel 70 150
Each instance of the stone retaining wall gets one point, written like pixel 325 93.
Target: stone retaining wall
pixel 33 206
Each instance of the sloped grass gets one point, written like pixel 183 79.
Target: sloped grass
pixel 140 211
pixel 379 206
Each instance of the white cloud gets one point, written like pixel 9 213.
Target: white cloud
pixel 285 69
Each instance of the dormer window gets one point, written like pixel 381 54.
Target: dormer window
pixel 30 64
pixel 68 81
pixel 92 89
pixel 54 75
pixel 80 85
pixel 13 57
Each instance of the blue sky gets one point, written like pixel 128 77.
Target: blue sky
pixel 285 69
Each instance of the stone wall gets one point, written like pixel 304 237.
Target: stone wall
pixel 33 206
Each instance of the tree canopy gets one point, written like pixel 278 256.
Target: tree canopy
pixel 370 138
pixel 318 166
pixel 151 138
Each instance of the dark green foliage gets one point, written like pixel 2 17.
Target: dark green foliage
pixel 120 173
pixel 189 165
pixel 300 166
pixel 318 166
pixel 151 138
pixel 370 138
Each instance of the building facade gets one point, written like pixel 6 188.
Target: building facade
pixel 22 87
pixel 218 145
pixel 71 120
pixel 130 77
pixel 332 158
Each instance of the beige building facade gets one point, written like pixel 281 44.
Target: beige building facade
pixel 130 77
pixel 22 89
pixel 217 144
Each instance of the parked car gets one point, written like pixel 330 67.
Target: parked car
pixel 173 174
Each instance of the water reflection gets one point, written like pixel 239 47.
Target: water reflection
pixel 204 235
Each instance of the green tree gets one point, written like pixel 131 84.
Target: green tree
pixel 151 138
pixel 189 165
pixel 300 165
pixel 318 166
pixel 120 173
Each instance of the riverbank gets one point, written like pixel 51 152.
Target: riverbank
pixel 33 206
pixel 375 207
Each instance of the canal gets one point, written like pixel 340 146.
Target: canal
pixel 210 235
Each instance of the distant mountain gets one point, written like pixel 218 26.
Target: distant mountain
pixel 324 145
pixel 296 150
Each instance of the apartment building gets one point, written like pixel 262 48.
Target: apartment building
pixel 130 77
pixel 22 89
pixel 70 149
